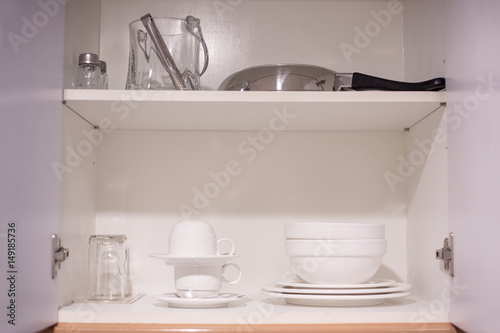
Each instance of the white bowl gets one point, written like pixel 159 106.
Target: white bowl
pixel 336 270
pixel 328 247
pixel 336 261
pixel 330 230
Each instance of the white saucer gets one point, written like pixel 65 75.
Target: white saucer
pixel 396 287
pixel 175 301
pixel 195 261
pixel 334 300
pixel 374 283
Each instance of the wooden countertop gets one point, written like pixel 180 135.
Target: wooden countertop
pixel 278 328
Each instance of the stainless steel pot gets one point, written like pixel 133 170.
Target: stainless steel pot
pixel 296 77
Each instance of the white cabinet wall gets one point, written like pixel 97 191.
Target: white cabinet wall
pixel 241 34
pixel 30 122
pixel 146 178
pixel 333 165
pixel 473 147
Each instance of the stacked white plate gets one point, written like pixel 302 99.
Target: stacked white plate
pixel 372 292
pixel 335 264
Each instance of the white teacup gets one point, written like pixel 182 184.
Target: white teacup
pixel 202 281
pixel 195 238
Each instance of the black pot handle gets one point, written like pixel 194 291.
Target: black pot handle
pixel 362 81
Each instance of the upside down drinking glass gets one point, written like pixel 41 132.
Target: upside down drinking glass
pixel 108 260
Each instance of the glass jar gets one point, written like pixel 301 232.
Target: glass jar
pixel 103 82
pixel 88 73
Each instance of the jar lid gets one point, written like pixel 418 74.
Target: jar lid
pixel 88 58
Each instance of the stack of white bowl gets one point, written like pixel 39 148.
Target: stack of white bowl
pixel 335 253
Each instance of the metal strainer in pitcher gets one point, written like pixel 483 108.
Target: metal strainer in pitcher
pixel 164 54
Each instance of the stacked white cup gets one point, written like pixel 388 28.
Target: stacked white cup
pixel 197 239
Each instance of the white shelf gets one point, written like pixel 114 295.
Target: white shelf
pixel 149 310
pixel 238 111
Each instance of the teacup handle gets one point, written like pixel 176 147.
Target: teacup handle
pixel 230 242
pixel 224 270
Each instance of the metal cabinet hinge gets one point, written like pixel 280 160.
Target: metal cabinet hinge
pixel 446 254
pixel 59 254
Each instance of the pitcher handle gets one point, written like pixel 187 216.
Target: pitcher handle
pixel 192 22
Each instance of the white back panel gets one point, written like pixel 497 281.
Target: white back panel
pixel 241 34
pixel 146 177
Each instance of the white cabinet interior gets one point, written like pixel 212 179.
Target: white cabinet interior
pixel 140 179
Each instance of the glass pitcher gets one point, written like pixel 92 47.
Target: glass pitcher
pixel 182 37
